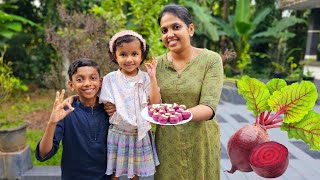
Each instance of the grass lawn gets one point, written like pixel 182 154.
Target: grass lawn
pixel 34 108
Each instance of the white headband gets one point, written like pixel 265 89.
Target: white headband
pixel 124 33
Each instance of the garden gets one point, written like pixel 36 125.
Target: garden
pixel 39 39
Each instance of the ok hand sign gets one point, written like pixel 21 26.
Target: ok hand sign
pixel 58 111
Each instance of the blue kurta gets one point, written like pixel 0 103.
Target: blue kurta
pixel 83 133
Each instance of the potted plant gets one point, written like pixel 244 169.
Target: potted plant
pixel 12 132
pixel 308 76
pixel 279 70
pixel 12 136
pixel 294 76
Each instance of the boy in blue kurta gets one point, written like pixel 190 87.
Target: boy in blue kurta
pixel 82 126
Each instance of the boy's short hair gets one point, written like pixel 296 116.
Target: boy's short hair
pixel 81 62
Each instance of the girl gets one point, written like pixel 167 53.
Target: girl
pixel 131 149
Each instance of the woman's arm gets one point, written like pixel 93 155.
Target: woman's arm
pixel 210 91
pixel 201 112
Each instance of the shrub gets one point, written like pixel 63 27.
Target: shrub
pixel 10 86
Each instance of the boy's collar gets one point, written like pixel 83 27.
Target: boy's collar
pixel 87 108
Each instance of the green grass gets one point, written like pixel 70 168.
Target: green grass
pixel 17 109
pixel 33 137
pixel 10 125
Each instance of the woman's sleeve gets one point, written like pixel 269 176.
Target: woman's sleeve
pixel 106 94
pixel 212 83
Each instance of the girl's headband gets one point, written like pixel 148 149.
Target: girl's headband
pixel 124 33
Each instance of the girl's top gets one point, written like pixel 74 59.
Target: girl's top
pixel 190 151
pixel 130 96
pixel 84 139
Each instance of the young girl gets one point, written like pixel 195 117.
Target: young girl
pixel 131 149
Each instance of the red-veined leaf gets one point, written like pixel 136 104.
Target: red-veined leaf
pixel 294 101
pixel 255 93
pixel 307 129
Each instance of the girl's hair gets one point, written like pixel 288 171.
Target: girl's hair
pixel 127 39
pixel 177 10
pixel 81 62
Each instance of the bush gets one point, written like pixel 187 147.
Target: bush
pixel 10 86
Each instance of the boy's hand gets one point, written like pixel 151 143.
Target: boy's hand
pixel 110 108
pixel 151 68
pixel 58 112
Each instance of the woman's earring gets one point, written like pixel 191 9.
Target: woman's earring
pixel 191 35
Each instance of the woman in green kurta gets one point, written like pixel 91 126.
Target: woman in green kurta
pixel 193 77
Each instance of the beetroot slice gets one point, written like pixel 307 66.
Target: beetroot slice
pixel 269 159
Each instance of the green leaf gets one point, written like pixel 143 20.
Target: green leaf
pixel 294 101
pixel 255 93
pixel 243 13
pixel 259 18
pixel 243 27
pixel 201 13
pixel 15 26
pixel 308 130
pixel 278 30
pixel 276 84
pixel 6 33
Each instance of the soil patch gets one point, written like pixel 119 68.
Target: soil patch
pixel 38 119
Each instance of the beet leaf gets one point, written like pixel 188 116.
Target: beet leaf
pixel 255 93
pixel 307 129
pixel 275 84
pixel 294 101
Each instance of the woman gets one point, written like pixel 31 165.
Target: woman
pixel 193 77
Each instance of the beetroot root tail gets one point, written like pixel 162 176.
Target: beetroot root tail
pixel 232 170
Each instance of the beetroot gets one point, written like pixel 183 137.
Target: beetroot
pixel 269 159
pixel 241 143
pixel 274 104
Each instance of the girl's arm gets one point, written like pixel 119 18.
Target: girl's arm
pixel 154 89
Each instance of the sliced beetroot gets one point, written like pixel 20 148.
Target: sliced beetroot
pixel 269 159
pixel 241 143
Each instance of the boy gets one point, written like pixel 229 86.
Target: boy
pixel 82 126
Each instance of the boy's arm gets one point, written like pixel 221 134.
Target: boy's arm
pixel 57 114
pixel 154 89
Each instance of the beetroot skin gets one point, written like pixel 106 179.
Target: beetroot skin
pixel 241 143
pixel 269 159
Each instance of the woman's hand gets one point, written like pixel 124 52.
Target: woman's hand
pixel 110 108
pixel 151 68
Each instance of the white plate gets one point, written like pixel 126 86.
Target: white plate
pixel 146 116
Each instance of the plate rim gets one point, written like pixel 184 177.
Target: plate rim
pixel 145 115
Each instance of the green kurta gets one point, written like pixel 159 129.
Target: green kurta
pixel 190 151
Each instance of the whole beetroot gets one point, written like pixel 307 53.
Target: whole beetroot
pixel 241 143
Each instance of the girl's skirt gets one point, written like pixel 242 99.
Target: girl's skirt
pixel 128 156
